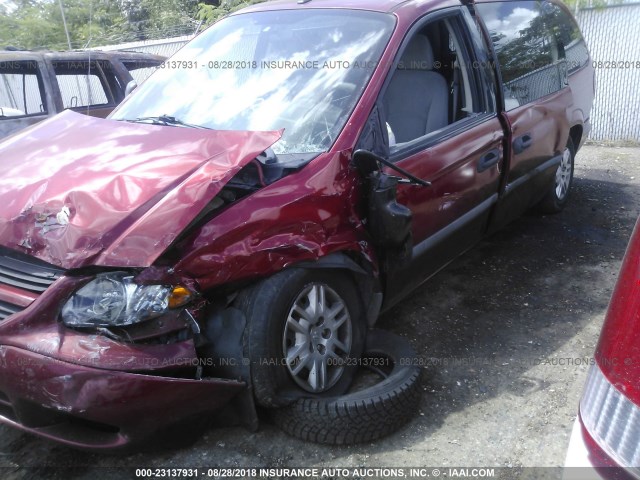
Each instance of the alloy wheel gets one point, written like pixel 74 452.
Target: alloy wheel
pixel 317 338
pixel 563 175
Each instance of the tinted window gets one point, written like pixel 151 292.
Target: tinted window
pixel 20 90
pixel 568 37
pixel 531 59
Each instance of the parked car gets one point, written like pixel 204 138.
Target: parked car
pixel 234 228
pixel 606 434
pixel 37 85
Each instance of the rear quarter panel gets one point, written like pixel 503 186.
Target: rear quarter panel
pixel 582 86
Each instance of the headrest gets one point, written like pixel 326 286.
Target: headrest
pixel 418 55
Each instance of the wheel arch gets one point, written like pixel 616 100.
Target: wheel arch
pixel 575 133
pixel 363 273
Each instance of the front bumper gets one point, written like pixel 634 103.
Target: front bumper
pixel 98 409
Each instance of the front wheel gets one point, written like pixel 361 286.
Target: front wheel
pixel 557 196
pixel 304 330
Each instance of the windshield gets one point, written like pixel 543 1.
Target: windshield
pixel 301 70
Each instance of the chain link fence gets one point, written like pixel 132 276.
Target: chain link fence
pixel 165 46
pixel 612 33
pixel 536 84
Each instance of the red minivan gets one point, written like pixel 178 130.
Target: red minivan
pixel 234 228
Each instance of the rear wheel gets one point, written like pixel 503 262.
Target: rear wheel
pixel 557 196
pixel 304 329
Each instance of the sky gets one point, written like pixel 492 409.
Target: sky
pixel 5 3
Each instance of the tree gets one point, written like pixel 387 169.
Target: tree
pixel 210 12
pixel 31 24
pixel 153 17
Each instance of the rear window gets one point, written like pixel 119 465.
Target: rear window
pixel 21 90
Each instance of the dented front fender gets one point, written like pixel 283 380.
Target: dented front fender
pixel 302 217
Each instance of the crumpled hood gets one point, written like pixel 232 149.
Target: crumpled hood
pixel 77 190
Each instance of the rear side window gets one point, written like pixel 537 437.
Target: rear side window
pixel 568 37
pixel 140 70
pixel 21 90
pixel 141 74
pixel 532 61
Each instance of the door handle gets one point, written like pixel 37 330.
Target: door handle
pixel 520 144
pixel 488 160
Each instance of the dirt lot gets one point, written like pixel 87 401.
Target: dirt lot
pixel 505 333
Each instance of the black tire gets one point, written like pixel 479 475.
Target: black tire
pixel 267 306
pixel 363 415
pixel 557 196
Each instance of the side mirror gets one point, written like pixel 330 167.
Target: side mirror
pixel 365 162
pixel 389 222
pixel 131 86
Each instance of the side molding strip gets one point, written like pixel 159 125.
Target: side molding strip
pixel 552 162
pixel 457 224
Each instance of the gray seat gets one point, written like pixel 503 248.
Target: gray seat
pixel 416 100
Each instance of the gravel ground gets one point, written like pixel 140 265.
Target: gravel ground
pixel 505 334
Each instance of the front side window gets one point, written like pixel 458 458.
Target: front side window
pixel 435 85
pixel 301 71
pixel 81 83
pixel 531 60
pixel 21 91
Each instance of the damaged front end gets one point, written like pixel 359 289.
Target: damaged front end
pixel 128 244
pixel 121 259
pixel 99 383
pixel 101 340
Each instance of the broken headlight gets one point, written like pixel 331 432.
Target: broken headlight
pixel 113 299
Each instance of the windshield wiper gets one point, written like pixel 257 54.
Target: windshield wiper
pixel 166 120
